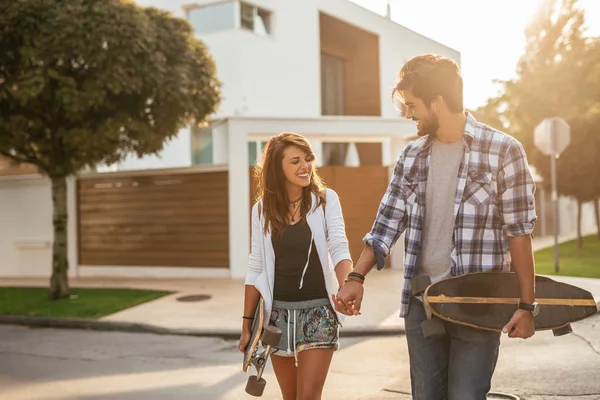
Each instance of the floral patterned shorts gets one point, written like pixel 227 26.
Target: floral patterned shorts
pixel 310 324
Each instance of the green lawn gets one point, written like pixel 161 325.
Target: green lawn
pixel 84 303
pixel 584 262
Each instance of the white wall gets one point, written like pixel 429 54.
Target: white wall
pixel 568 216
pixel 276 75
pixel 26 233
pixel 176 153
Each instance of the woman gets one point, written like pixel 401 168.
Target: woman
pixel 299 259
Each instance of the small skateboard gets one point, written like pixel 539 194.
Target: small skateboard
pixel 487 300
pixel 269 336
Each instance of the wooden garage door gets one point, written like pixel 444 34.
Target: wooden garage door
pixel 360 190
pixel 176 220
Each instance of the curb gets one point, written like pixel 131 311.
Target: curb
pixel 131 327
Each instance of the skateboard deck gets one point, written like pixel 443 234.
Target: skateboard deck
pixel 261 337
pixel 488 300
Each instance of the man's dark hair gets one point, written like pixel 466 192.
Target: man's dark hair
pixel 428 76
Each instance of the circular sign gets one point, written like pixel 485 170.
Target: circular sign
pixel 552 136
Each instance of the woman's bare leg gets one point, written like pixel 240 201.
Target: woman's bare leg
pixel 313 366
pixel 286 372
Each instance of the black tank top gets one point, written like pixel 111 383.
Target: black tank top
pixel 291 253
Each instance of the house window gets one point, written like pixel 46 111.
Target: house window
pixel 252 153
pixel 255 19
pixel 216 17
pixel 332 85
pixel 202 148
pixel 334 153
pixel 255 150
pixel 213 17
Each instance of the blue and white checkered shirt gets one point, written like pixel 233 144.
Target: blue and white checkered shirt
pixel 494 199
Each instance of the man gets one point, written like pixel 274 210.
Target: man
pixel 464 196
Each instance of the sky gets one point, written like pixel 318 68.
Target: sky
pixel 489 34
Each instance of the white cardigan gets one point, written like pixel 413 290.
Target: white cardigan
pixel 329 234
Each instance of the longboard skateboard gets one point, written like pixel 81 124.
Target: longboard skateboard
pixel 269 336
pixel 487 300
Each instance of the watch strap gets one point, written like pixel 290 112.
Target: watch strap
pixel 527 306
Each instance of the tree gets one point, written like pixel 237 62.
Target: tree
pixel 551 72
pixel 559 75
pixel 594 119
pixel 491 114
pixel 597 215
pixel 578 165
pixel 85 82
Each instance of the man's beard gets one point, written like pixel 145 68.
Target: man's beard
pixel 428 126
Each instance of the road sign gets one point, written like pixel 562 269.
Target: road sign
pixel 552 136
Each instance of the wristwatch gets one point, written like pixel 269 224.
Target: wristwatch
pixel 533 308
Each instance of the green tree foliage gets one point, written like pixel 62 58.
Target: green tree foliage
pixel 85 82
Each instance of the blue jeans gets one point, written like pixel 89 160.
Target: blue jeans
pixel 457 366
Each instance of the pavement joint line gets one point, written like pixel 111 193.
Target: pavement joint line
pixel 587 342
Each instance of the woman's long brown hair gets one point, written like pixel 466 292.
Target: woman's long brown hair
pixel 271 187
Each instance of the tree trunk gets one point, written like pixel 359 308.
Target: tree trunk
pixel 579 237
pixel 597 215
pixel 59 283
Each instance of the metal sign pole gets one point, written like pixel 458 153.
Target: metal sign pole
pixel 551 136
pixel 553 158
pixel 555 204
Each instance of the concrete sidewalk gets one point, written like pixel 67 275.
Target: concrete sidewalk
pixel 220 315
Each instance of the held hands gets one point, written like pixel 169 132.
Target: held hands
pixel 349 298
pixel 521 325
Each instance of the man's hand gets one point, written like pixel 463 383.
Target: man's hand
pixel 349 298
pixel 521 325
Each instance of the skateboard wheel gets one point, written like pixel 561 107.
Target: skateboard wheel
pixel 564 330
pixel 433 328
pixel 418 284
pixel 255 387
pixel 271 336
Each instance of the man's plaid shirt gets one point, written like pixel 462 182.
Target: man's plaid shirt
pixel 494 199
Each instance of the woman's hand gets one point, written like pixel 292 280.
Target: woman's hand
pixel 244 339
pixel 349 298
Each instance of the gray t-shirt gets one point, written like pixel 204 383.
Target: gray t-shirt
pixel 439 209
